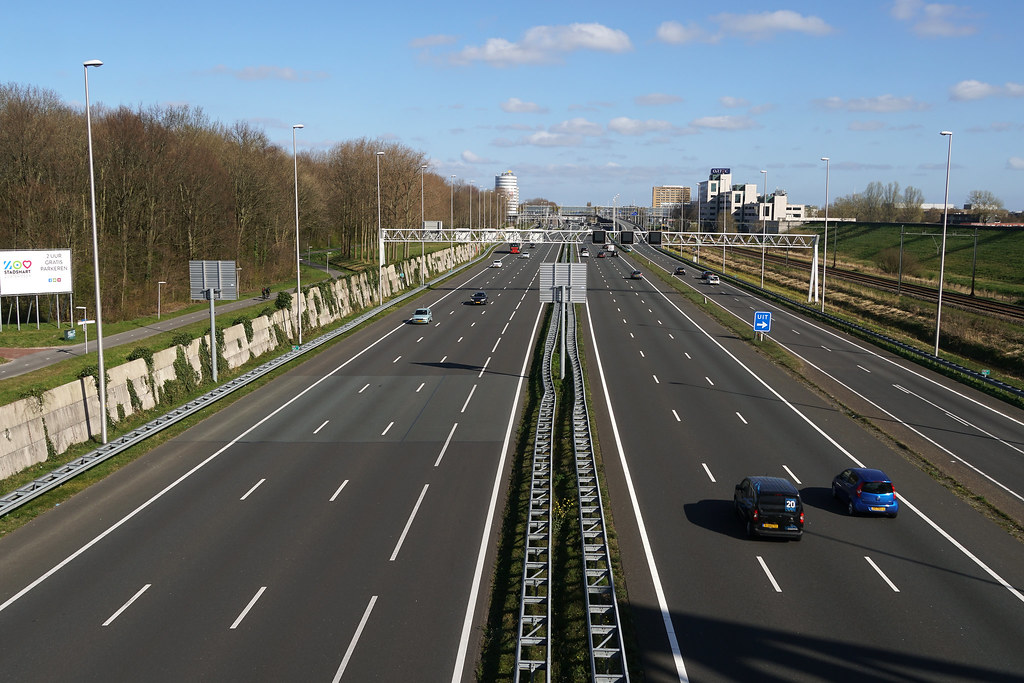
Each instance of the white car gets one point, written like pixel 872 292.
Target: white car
pixel 584 252
pixel 496 263
pixel 713 279
pixel 524 254
pixel 422 316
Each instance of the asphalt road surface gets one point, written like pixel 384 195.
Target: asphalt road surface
pixel 334 525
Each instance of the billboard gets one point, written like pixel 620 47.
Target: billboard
pixel 220 276
pixel 35 271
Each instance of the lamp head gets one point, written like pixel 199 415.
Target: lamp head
pixel 297 125
pixel 946 132
pixel 824 158
pixel 92 62
pixel 380 154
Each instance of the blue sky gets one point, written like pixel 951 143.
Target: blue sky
pixel 581 100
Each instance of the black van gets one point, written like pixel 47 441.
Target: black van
pixel 770 506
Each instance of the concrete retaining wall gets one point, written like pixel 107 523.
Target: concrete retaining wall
pixel 69 414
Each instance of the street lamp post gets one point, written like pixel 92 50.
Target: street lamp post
pixel 763 219
pixel 158 297
pixel 423 222
pixel 96 259
pixel 942 253
pixel 298 274
pixel 85 329
pixel 824 253
pixel 380 240
pixel 471 204
pixel 451 218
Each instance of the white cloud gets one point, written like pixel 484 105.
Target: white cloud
pixel 655 99
pixel 766 24
pixel 933 20
pixel 674 33
pixel 471 158
pixel 1015 163
pixel 976 90
pixel 725 122
pixel 270 73
pixel 545 139
pixel 546 44
pixel 627 126
pixel 880 104
pixel 578 126
pixel 514 105
pixel 732 102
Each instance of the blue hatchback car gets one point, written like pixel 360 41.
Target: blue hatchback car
pixel 866 490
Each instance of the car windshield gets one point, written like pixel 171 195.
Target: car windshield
pixel 877 487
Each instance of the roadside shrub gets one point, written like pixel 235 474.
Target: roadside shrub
pixel 283 300
pixel 181 339
pixel 143 353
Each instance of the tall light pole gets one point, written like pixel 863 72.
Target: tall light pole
pixel 942 256
pixel 380 240
pixel 824 253
pixel 96 259
pixel 763 219
pixel 423 221
pixel 158 297
pixel 298 273
pixel 471 204
pixel 451 218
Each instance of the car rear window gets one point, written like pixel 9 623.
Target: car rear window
pixel 778 502
pixel 877 487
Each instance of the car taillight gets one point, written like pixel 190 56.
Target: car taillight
pixel 859 487
pixel 801 517
pixel 755 514
pixel 893 489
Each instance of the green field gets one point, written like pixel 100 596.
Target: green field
pixel 999 256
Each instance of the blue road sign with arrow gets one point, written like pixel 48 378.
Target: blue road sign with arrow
pixel 762 321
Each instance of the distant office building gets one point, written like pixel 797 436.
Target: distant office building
pixel 507 185
pixel 667 195
pixel 726 207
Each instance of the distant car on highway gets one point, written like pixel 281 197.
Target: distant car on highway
pixel 602 254
pixel 496 263
pixel 584 252
pixel 680 270
pixel 524 254
pixel 636 275
pixel 479 298
pixel 626 248
pixel 866 490
pixel 422 316
pixel 713 279
pixel 769 506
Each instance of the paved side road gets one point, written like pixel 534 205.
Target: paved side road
pixel 27 360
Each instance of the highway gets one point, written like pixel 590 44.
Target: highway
pixel 334 525
pixel 685 411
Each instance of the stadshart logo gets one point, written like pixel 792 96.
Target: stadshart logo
pixel 17 267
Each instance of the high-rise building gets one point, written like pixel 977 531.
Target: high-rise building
pixel 507 185
pixel 663 195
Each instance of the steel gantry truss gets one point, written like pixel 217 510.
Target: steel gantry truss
pixel 572 235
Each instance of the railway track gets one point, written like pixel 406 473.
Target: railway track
pixel 962 301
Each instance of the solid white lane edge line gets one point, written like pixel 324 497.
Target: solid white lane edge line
pixel 248 607
pixel 252 489
pixel 708 470
pixel 390 425
pixel 659 591
pixel 792 475
pixel 489 520
pixel 468 399
pixel 415 509
pixel 769 573
pixel 882 574
pixel 355 639
pixel 317 430
pixel 338 492
pixel 126 605
pixel 445 447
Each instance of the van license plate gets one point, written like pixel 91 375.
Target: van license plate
pixel 770 525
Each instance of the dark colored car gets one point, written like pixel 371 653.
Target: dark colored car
pixel 602 254
pixel 480 298
pixel 866 490
pixel 636 275
pixel 680 270
pixel 770 506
